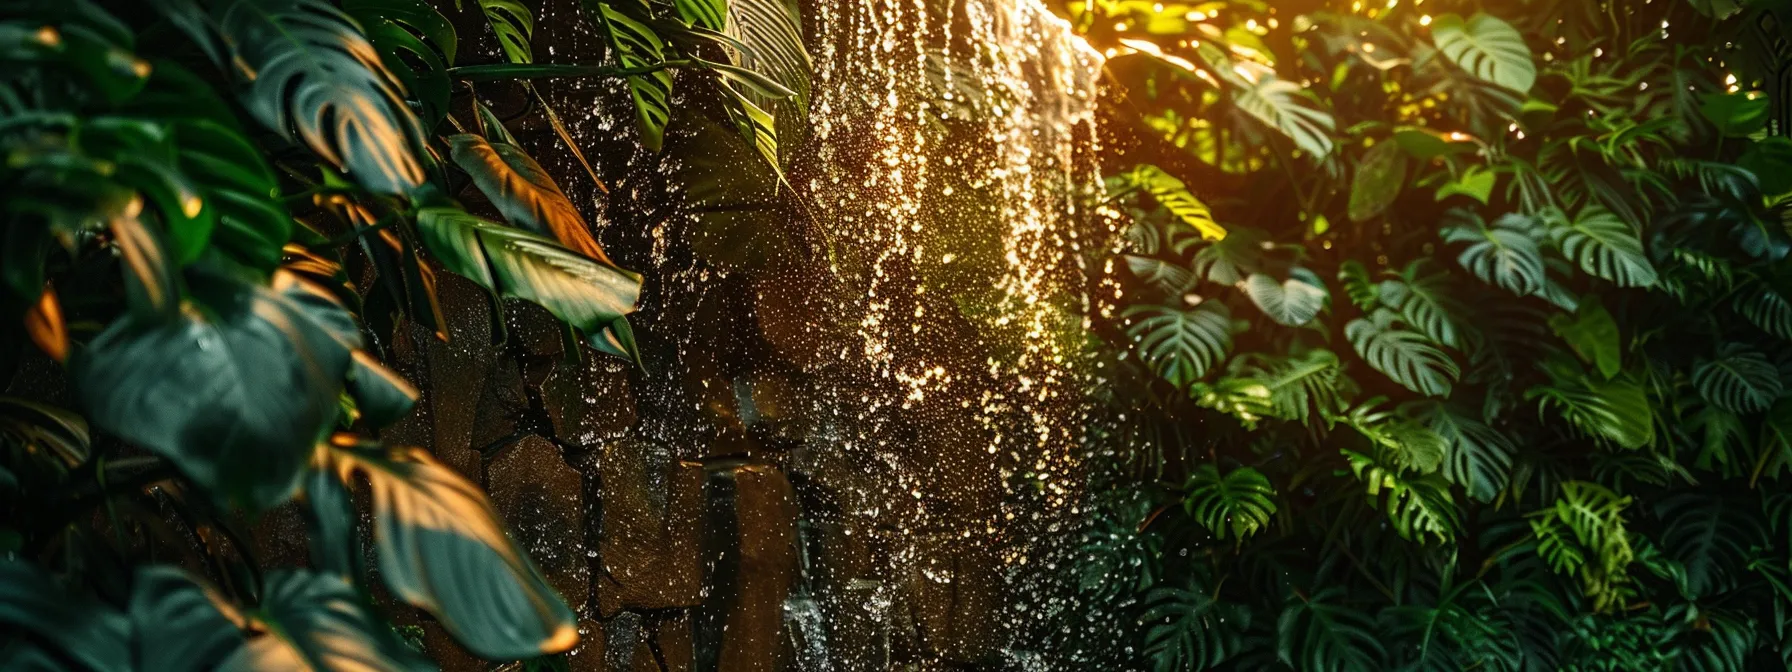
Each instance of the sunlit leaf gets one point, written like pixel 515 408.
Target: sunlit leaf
pixel 1487 48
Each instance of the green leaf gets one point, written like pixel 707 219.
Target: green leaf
pixel 524 192
pixel 235 391
pixel 1474 182
pixel 1486 47
pixel 1241 501
pixel 1170 193
pixel 317 622
pixel 1426 144
pixel 1735 114
pixel 1292 302
pixel 1407 357
pixel 1739 380
pixel 635 45
pixel 1770 160
pixel 1363 291
pixel 1320 633
pixel 310 75
pixel 1227 261
pixel 514 25
pixel 381 395
pixel 755 125
pixel 87 631
pixel 1593 335
pixel 182 624
pixel 1191 628
pixel 772 31
pixel 1711 536
pixel 711 14
pixel 443 549
pixel 416 44
pixel 1504 255
pixel 1766 308
pixel 1424 301
pixel 1615 411
pixel 1584 534
pixel 1479 457
pixel 1181 345
pixel 1378 181
pixel 583 292
pixel 1278 104
pixel 1416 505
pixel 1169 278
pixel 1603 245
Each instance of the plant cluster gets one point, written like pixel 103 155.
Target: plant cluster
pixel 1447 335
pixel 218 216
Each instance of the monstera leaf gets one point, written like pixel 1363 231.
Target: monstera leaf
pixel 1284 106
pixel 1487 48
pixel 1292 302
pixel 318 622
pixel 182 624
pixel 1240 501
pixel 235 390
pixel 1603 245
pixel 1407 357
pixel 1321 633
pixel 417 44
pixel 1418 506
pixel 583 292
pixel 1593 335
pixel 1479 457
pixel 1424 301
pixel 1181 344
pixel 311 76
pixel 1190 627
pixel 443 549
pixel 1170 278
pixel 635 45
pixel 1504 255
pixel 523 192
pixel 514 25
pixel 1739 380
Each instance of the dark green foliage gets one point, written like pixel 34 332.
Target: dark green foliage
pixel 194 192
pixel 1544 421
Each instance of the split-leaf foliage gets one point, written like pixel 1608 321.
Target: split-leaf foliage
pixel 1471 320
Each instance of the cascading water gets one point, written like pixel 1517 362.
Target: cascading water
pixel 915 294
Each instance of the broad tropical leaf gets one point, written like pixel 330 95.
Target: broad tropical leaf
pixel 1172 279
pixel 1181 345
pixel 1585 534
pixel 1479 458
pixel 318 622
pixel 235 392
pixel 585 293
pixel 1292 302
pixel 1284 106
pixel 311 76
pixel 443 549
pixel 1711 536
pixel 1603 245
pixel 1615 411
pixel 635 45
pixel 1191 628
pixel 1418 506
pixel 1767 308
pixel 1230 260
pixel 1320 633
pixel 1170 193
pixel 514 25
pixel 1487 48
pixel 1424 301
pixel 182 624
pixel 1241 501
pixel 773 35
pixel 1407 357
pixel 1738 380
pixel 523 192
pixel 1593 335
pixel 1503 255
